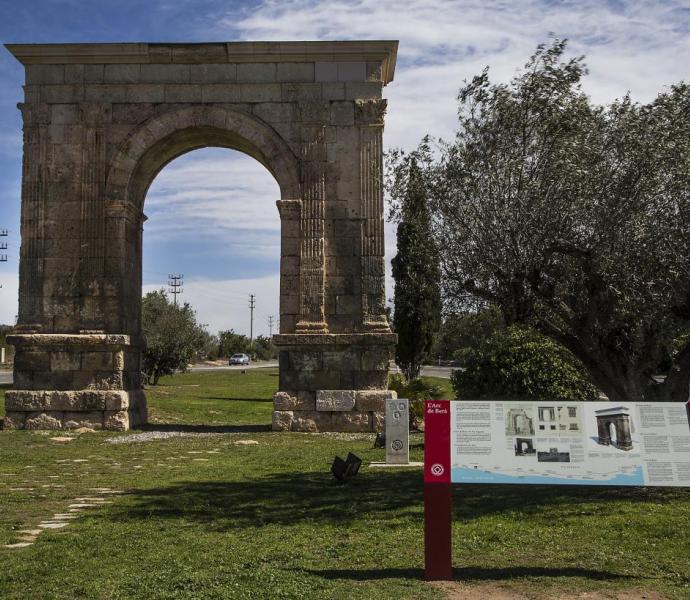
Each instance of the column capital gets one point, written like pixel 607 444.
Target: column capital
pixel 370 113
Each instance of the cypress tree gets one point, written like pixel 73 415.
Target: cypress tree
pixel 416 271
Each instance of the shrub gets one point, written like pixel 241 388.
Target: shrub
pixel 519 363
pixel 416 391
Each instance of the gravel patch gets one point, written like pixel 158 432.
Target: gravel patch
pixel 150 436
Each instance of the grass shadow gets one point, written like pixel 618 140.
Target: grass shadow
pixel 467 573
pixel 388 497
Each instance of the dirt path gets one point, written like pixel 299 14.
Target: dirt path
pixel 494 591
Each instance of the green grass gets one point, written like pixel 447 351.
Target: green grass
pixel 268 521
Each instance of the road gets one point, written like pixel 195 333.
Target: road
pixel 432 371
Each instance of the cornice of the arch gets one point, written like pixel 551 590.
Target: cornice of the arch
pixel 270 147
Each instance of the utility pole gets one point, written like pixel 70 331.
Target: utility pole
pixel 252 306
pixel 270 326
pixel 175 283
pixel 3 246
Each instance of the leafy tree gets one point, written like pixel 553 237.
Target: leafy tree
pixel 233 343
pixel 573 218
pixel 468 330
pixel 417 303
pixel 518 363
pixel 264 349
pixel 173 337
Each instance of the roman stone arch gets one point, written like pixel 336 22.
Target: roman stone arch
pixel 101 120
pixel 614 427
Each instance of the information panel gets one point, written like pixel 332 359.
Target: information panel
pixel 577 443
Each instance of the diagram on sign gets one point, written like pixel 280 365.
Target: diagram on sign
pixel 594 443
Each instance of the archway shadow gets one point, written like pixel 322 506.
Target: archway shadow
pixel 176 428
pixel 390 498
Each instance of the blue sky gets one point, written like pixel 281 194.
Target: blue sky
pixel 212 212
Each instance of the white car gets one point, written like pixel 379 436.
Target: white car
pixel 239 359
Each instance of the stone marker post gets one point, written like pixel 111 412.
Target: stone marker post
pixel 397 431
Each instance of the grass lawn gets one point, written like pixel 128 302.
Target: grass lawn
pixel 206 517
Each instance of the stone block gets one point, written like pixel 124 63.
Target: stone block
pixel 326 71
pixel 215 73
pixel 158 73
pixel 145 93
pixel 289 304
pixel 345 360
pixel 352 71
pixel 373 400
pixel 14 420
pixel 371 380
pixel 363 90
pixel 28 360
pixel 74 73
pixel 282 420
pixel 335 400
pixel 25 400
pixel 256 72
pixel 306 361
pixel 275 112
pixel 122 73
pixel 374 71
pixel 352 421
pixel 130 114
pixel 289 246
pixel 63 93
pixel 376 359
pixel 42 420
pixel 289 265
pixel 284 401
pixel 116 420
pixel 64 113
pixel 65 361
pixel 260 92
pixel 311 422
pixel 301 92
pixel 183 93
pixel 333 91
pixel 220 92
pixel 342 114
pixel 295 72
pixel 97 361
pixel 102 92
pixel 94 73
pixel 306 400
pixel 75 420
pixel 45 74
pixel 378 421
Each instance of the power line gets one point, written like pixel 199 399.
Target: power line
pixel 252 306
pixel 270 326
pixel 175 283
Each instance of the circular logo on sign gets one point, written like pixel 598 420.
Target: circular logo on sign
pixel 397 445
pixel 437 469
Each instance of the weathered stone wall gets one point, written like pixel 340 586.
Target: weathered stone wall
pixel 99 123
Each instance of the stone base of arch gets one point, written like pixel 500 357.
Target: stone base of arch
pixel 332 382
pixel 327 382
pixel 68 381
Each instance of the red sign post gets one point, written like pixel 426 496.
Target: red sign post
pixel 438 561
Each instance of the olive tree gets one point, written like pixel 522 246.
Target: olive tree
pixel 172 335
pixel 575 219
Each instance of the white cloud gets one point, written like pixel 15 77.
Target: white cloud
pixel 637 45
pixel 8 296
pixel 213 191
